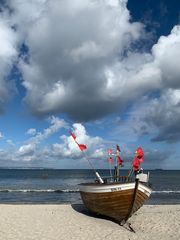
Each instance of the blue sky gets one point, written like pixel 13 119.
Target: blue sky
pixel 109 70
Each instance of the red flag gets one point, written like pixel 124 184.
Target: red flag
pixel 118 148
pixel 136 164
pixel 109 151
pixel 119 160
pixel 72 134
pixel 82 147
pixel 138 159
pixel 110 160
pixel 140 153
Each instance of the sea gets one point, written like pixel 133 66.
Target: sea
pixel 58 186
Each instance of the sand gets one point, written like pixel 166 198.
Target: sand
pixel 66 222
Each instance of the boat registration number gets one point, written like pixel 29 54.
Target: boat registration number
pixel 115 189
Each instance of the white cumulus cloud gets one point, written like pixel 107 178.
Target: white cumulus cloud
pixel 69 148
pixel 81 60
pixel 8 55
pixel 67 64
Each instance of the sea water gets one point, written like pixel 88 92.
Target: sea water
pixel 61 186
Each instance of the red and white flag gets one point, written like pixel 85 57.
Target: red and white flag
pixel 82 147
pixel 136 164
pixel 119 160
pixel 140 153
pixel 138 159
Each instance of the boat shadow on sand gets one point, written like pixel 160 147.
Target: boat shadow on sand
pixel 80 208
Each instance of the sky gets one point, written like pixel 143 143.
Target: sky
pixel 107 70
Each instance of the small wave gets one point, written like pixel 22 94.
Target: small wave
pixel 165 191
pixel 39 190
pixel 67 191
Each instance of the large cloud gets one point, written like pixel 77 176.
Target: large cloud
pixel 163 112
pixel 8 55
pixel 72 47
pixel 167 53
pixel 156 113
pixel 81 61
pixel 165 115
pixel 158 118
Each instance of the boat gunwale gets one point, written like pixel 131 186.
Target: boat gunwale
pixel 102 188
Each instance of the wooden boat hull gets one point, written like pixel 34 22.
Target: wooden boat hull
pixel 117 200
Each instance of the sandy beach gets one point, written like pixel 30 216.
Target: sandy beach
pixel 75 222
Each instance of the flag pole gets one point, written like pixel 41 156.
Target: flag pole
pixel 91 165
pixel 130 172
pixel 117 164
pixel 95 171
pixel 110 170
pixel 82 148
pixel 110 161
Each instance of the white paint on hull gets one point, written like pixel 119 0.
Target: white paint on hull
pixel 104 188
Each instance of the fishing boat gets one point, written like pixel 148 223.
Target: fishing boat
pixel 117 197
pixel 117 200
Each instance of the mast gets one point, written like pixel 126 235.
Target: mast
pixel 119 161
pixel 110 160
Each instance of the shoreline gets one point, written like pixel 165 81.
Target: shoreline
pixel 79 203
pixel 74 221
